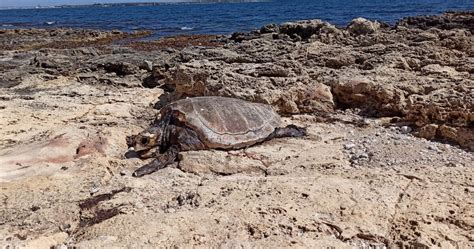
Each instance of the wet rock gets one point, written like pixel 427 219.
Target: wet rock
pixel 240 37
pixel 269 28
pixel 447 21
pixel 303 29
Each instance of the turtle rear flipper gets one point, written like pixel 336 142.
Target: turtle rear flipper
pixel 289 131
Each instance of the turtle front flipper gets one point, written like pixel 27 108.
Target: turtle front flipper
pixel 161 161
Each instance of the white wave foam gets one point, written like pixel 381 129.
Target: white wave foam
pixel 50 23
pixel 187 28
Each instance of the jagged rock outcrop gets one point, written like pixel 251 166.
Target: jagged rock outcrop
pixel 362 26
pixel 447 21
pixel 423 76
pixel 268 83
pixel 419 70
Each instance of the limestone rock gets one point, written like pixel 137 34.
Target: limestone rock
pixel 362 26
pixel 370 96
pixel 218 162
pixel 462 135
pixel 270 28
pixel 428 131
pixel 303 29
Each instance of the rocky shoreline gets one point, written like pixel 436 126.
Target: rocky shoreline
pixel 390 110
pixel 419 71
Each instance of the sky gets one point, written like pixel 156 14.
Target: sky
pixel 30 3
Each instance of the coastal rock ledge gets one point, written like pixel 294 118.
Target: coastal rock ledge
pixel 421 75
pixel 387 163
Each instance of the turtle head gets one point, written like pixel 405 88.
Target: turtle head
pixel 145 140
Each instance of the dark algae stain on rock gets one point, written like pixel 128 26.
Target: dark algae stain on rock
pixel 94 200
pixel 98 216
pixel 61 38
pixel 91 214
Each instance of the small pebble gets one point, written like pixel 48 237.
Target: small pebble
pixel 366 122
pixel 432 147
pixel 454 165
pixel 139 205
pixel 364 156
pixel 147 65
pixel 64 227
pixel 60 246
pixel 94 190
pixel 349 146
pixel 445 147
pixel 405 129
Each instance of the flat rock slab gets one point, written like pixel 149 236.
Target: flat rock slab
pixel 275 157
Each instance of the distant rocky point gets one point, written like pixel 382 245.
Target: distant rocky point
pixel 105 5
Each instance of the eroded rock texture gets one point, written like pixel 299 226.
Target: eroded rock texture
pixel 68 99
pixel 420 70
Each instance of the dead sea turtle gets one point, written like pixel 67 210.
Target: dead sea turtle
pixel 201 123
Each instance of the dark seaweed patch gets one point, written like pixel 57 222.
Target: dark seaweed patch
pixel 99 216
pixel 93 201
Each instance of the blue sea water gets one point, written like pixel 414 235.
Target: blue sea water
pixel 223 18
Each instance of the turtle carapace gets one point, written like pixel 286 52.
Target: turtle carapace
pixel 202 123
